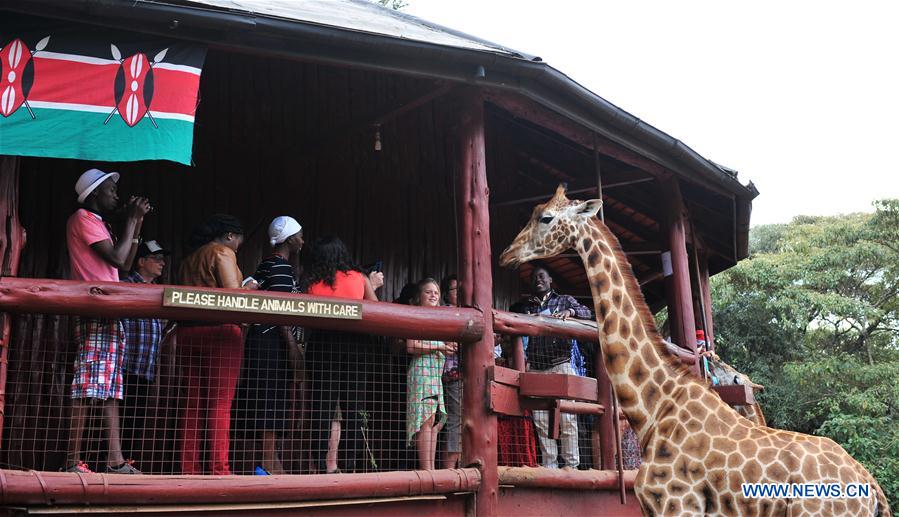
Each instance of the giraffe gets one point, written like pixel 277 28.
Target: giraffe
pixel 696 450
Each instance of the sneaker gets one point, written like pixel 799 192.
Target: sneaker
pixel 261 471
pixel 79 468
pixel 124 468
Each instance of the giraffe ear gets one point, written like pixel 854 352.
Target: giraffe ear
pixel 588 208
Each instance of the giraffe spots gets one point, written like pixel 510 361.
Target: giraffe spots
pixel 638 373
pixel 777 472
pixel 718 478
pixel 747 448
pixel 649 357
pixel 628 309
pixel 650 395
pixel 616 297
pixel 626 396
pixel 673 507
pixel 656 499
pixel 734 480
pixel 639 331
pixel 727 504
pixel 697 445
pixel 696 391
pixel 752 471
pixel 664 454
pixel 708 498
pixel 624 328
pixel 603 309
pixel 592 257
pixel 667 386
pixel 666 409
pixel 677 488
pixel 603 248
pixel 695 408
pixel 715 460
pixel 694 426
pixel 678 434
pixel 616 277
pixel 616 357
pixel 587 244
pixel 634 345
pixel 607 264
pixel 610 324
pixel 660 474
pixel 638 420
pixel 599 283
pixel 790 460
pixel 666 426
pixel 766 455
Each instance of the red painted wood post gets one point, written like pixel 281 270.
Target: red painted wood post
pixel 12 240
pixel 476 282
pixel 605 457
pixel 681 295
pixel 705 291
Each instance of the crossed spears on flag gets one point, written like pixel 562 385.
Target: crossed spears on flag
pixel 117 55
pixel 14 63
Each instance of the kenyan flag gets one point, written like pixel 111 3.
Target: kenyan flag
pixel 96 94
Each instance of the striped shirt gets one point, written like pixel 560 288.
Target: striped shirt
pixel 275 274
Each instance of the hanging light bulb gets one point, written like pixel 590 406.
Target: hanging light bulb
pixel 377 137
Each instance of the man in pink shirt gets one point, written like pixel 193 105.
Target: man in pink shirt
pixel 96 255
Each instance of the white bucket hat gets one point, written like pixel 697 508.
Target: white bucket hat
pixel 282 228
pixel 90 180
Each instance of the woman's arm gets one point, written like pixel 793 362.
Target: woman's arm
pixel 423 347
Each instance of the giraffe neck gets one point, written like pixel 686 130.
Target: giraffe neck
pixel 642 377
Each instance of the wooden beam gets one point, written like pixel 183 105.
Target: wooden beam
pixel 121 300
pixel 371 121
pixel 557 386
pixel 531 111
pixel 564 479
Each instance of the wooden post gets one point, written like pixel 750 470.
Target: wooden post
pixel 12 240
pixel 706 293
pixel 604 458
pixel 680 296
pixel 476 282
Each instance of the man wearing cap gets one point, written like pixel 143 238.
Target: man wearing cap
pixel 142 339
pixel 96 255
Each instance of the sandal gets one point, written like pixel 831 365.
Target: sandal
pixel 80 468
pixel 124 468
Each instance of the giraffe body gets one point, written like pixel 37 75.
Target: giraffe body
pixel 696 450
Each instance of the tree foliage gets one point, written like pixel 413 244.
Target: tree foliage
pixel 813 315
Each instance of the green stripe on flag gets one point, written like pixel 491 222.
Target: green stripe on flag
pixel 57 133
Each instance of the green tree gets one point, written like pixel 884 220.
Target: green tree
pixel 813 314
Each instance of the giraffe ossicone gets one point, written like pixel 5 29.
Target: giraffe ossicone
pixel 696 450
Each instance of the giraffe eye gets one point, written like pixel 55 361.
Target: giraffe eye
pixel 546 219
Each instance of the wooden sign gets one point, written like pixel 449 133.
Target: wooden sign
pixel 254 301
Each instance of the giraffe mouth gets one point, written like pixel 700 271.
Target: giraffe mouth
pixel 509 258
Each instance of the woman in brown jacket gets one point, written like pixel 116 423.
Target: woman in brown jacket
pixel 210 353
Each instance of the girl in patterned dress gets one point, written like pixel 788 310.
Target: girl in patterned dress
pixel 425 410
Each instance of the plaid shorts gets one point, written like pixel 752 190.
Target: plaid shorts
pixel 98 365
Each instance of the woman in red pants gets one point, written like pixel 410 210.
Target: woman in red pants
pixel 210 353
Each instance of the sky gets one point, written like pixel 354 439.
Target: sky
pixel 802 98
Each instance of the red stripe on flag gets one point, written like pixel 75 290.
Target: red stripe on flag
pixel 57 80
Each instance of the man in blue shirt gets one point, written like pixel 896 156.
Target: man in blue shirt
pixel 143 336
pixel 554 355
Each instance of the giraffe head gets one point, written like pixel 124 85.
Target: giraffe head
pixel 553 228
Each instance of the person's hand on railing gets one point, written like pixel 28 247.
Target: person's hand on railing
pixel 563 315
pixel 450 348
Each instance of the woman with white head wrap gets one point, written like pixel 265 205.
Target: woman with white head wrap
pixel 272 354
